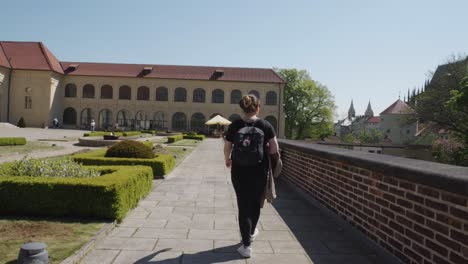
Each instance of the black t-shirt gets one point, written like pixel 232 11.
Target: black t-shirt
pixel 269 133
pixel 262 124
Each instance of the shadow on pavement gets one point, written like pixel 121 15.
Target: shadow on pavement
pixel 218 255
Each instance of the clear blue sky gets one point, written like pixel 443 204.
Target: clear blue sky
pixel 362 50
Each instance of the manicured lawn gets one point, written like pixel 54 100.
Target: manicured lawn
pixel 178 152
pixel 186 142
pixel 63 237
pixel 25 149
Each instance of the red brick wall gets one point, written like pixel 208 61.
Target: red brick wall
pixel 415 222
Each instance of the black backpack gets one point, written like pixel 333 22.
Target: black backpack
pixel 248 146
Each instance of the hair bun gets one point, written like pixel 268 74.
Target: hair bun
pixel 247 101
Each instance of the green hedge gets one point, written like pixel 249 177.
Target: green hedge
pixel 12 141
pixel 196 137
pixel 174 138
pixel 119 134
pixel 161 165
pixel 109 196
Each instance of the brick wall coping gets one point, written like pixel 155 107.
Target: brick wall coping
pixel 446 177
pixel 377 145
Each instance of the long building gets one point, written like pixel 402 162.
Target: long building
pixel 35 85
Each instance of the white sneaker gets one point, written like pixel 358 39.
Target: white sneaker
pixel 244 251
pixel 255 234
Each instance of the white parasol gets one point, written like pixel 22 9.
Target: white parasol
pixel 218 120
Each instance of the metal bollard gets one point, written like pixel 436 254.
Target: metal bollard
pixel 33 253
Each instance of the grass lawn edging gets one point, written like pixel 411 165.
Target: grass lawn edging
pixel 109 196
pixel 78 255
pixel 161 165
pixel 118 134
pixel 12 141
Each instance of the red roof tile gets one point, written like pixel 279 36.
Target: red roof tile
pixel 398 107
pixel 3 58
pixel 174 72
pixel 374 119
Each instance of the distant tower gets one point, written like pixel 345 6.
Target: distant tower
pixel 351 112
pixel 369 111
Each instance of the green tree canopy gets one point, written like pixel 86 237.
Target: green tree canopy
pixel 435 104
pixel 308 105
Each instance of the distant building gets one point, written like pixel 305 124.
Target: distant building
pixel 352 124
pixel 398 123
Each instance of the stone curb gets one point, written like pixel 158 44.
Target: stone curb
pixel 80 253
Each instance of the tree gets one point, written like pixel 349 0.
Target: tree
pixel 371 136
pixel 458 103
pixel 308 106
pixel 445 103
pixel 433 104
pixel 21 123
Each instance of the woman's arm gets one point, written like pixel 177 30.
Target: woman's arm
pixel 227 153
pixel 273 152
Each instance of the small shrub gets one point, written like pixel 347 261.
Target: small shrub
pixel 174 138
pixel 21 123
pixel 130 149
pixel 161 165
pixel 196 137
pixel 131 133
pixel 65 167
pixel 450 151
pixel 12 141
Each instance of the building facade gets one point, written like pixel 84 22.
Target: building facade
pixel 36 86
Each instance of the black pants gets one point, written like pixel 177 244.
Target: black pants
pixel 249 185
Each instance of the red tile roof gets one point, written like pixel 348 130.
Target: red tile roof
pixel 374 119
pixel 30 56
pixel 398 107
pixel 36 56
pixel 174 72
pixel 51 59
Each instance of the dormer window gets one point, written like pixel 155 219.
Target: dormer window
pixel 217 74
pixel 146 70
pixel 71 67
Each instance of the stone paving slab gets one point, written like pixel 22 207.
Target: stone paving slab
pixel 191 217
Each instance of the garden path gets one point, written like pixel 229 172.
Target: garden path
pixel 191 217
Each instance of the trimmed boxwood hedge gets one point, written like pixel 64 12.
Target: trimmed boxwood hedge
pixel 109 196
pixel 119 134
pixel 196 137
pixel 162 164
pixel 172 139
pixel 12 141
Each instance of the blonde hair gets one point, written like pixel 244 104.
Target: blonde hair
pixel 249 103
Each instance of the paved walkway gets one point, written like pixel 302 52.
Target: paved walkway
pixel 191 218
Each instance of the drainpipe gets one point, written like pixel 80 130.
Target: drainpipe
pixel 8 98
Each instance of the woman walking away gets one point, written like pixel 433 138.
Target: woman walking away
pixel 248 142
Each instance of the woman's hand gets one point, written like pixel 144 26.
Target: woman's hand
pixel 228 162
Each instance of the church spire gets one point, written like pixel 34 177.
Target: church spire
pixel 351 112
pixel 369 111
